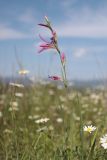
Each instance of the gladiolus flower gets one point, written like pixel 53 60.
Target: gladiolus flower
pixel 46 45
pixel 55 78
pixel 63 58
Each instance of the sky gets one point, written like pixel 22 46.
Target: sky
pixel 81 26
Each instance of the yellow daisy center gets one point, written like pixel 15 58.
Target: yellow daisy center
pixel 89 129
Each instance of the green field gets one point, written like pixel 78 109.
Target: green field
pixel 45 122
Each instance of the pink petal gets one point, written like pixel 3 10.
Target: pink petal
pixel 63 57
pixel 54 77
pixel 44 25
pixel 43 39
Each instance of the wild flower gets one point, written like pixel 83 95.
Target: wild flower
pixel 55 78
pixel 42 120
pixel 14 104
pixel 16 85
pixel 42 129
pixel 30 117
pixel 63 58
pixel 51 128
pixel 53 44
pixel 13 108
pixel 8 131
pixel 103 141
pixel 23 72
pixel 51 92
pixel 33 117
pixel 46 45
pixel 19 94
pixel 59 120
pixel 89 129
pixel 62 98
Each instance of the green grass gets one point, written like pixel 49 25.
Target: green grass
pixel 62 137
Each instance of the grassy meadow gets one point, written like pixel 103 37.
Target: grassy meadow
pixel 46 122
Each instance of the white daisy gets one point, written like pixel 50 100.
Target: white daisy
pixel 33 117
pixel 103 141
pixel 19 94
pixel 16 85
pixel 42 129
pixel 14 104
pixel 13 109
pixel 89 128
pixel 8 131
pixel 23 72
pixel 42 120
pixel 59 120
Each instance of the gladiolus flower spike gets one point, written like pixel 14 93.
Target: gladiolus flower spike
pixel 53 44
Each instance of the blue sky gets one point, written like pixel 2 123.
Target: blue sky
pixel 81 26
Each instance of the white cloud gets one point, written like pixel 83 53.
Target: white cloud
pixel 80 52
pixel 27 17
pixel 68 3
pixel 84 23
pixel 92 31
pixel 7 32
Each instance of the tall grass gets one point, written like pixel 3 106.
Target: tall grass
pixel 62 136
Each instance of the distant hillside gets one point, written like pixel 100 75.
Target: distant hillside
pixel 23 80
pixel 75 83
pixel 90 83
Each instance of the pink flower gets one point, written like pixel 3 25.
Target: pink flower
pixel 63 58
pixel 55 78
pixel 46 45
pixel 53 39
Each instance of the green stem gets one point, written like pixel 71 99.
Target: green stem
pixel 63 66
pixel 58 50
pixel 36 143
